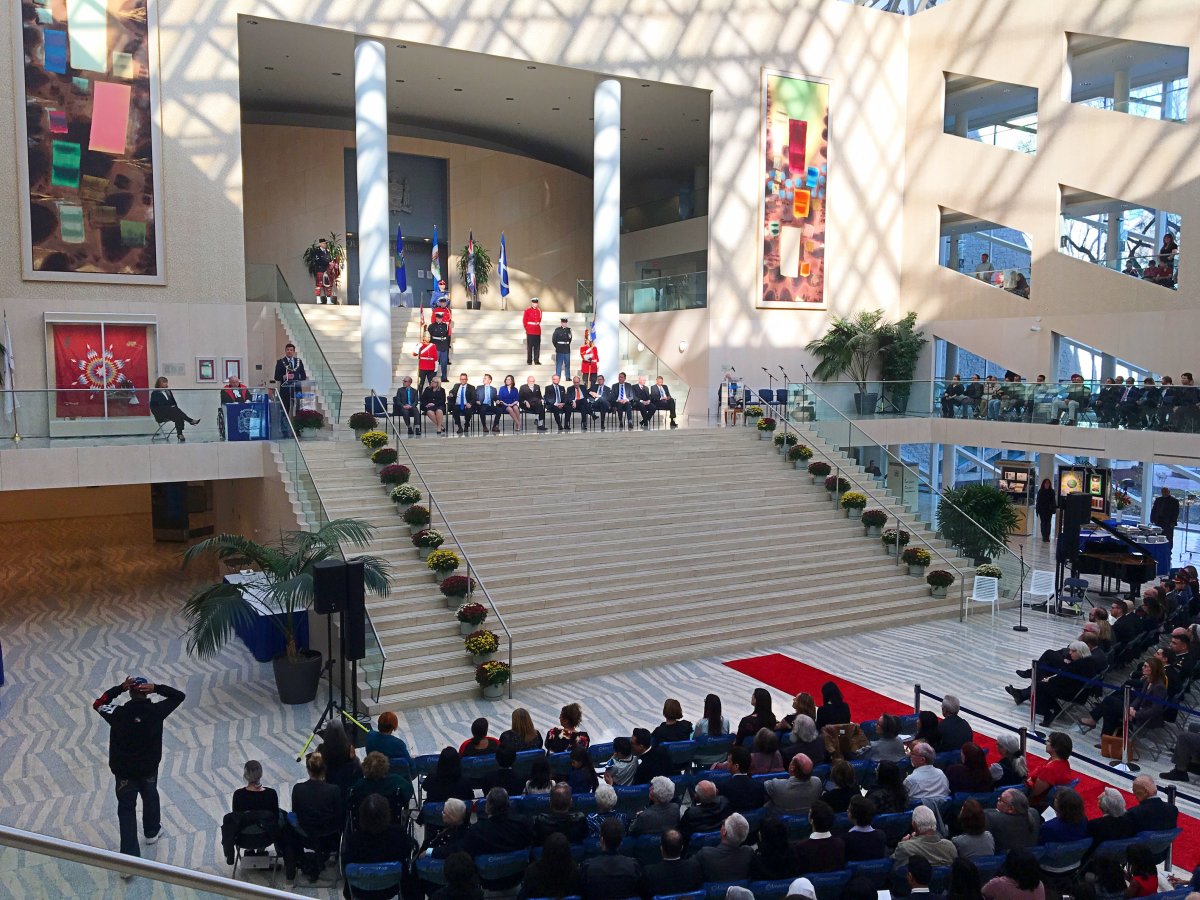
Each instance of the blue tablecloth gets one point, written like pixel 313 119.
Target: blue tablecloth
pixel 262 636
pixel 248 421
pixel 1102 542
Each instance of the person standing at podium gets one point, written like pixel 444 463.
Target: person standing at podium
pixel 289 372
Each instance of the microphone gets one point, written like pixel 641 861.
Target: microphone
pixel 764 368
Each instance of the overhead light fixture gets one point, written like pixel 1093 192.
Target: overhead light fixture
pixel 338 74
pixel 458 90
pixel 683 345
pixel 554 109
pixel 252 21
pixel 531 67
pixel 399 81
pixel 269 68
pixel 402 46
pixel 510 98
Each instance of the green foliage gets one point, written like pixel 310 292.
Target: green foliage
pixel 977 519
pixel 336 252
pixel 483 267
pixel 849 347
pixel 900 347
pixel 213 612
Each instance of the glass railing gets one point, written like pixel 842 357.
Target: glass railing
pixel 669 293
pixel 1014 279
pixel 266 284
pixel 924 500
pixel 1163 271
pixel 637 359
pixel 1167 106
pixel 309 497
pixel 1019 135
pixel 54 867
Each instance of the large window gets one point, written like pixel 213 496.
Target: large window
pixel 992 112
pixel 1127 237
pixel 986 251
pixel 1131 77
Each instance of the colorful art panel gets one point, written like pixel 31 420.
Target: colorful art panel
pixel 795 142
pixel 101 370
pixel 91 170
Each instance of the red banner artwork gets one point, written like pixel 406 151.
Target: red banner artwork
pixel 101 370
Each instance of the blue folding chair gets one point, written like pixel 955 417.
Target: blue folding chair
pixel 645 848
pixel 431 870
pixel 1159 842
pixel 894 826
pixel 798 827
pixel 1115 849
pixel 718 889
pixel 989 866
pixel 584 803
pixel 600 753
pixel 877 870
pixel 694 895
pixel 681 752
pixel 374 876
pixel 495 867
pixel 699 841
pixel 560 763
pixel 771 890
pixel 828 885
pixel 475 767
pixel 710 750
pixel 632 798
pixel 524 762
pixel 398 765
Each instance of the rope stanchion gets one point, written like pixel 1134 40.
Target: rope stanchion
pixel 917 699
pixel 1033 687
pixel 1125 765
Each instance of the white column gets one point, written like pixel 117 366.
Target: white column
pixel 952 254
pixel 1147 491
pixel 961 126
pixel 606 225
pixel 374 259
pixel 1113 248
pixel 1121 90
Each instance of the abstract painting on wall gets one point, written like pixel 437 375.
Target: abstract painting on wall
pixel 795 142
pixel 88 142
pixel 101 369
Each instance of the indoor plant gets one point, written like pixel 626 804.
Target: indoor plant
pixel 362 422
pixel 799 455
pixel 819 470
pixel 441 563
pixel 853 503
pixel 754 412
pixel 977 519
pixel 335 249
pixel 470 615
pixel 492 677
pixel 938 580
pixel 835 485
pixel 394 474
pixel 373 440
pixel 213 613
pixel 916 558
pixel 765 426
pixel 873 520
pixel 483 270
pixel 892 537
pixel 417 518
pixel 987 570
pixel 384 456
pixel 426 541
pixel 481 645
pixel 850 347
pixel 900 349
pixel 404 496
pixel 307 420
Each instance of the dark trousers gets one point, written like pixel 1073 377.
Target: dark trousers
pixel 581 409
pixel 484 411
pixel 287 396
pixel 537 408
pixel 128 791
pixel 601 409
pixel 624 413
pixel 668 404
pixel 646 410
pixel 533 349
pixel 174 415
pixel 558 413
pixel 444 360
pixel 424 377
pixel 461 413
pixel 411 416
pixel 292 844
pixel 1045 519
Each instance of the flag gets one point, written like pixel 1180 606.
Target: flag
pixel 401 274
pixel 10 370
pixel 471 263
pixel 502 267
pixel 435 265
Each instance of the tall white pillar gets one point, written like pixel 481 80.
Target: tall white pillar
pixel 374 259
pixel 961 125
pixel 606 225
pixel 1113 241
pixel 1121 90
pixel 1147 490
pixel 952 253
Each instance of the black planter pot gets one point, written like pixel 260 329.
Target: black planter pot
pixel 864 404
pixel 297 681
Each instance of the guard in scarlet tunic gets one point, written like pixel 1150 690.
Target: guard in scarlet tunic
pixel 589 362
pixel 531 319
pixel 427 361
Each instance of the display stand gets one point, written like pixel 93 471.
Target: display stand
pixel 1091 480
pixel 1018 482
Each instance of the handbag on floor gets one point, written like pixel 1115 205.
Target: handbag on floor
pixel 1112 747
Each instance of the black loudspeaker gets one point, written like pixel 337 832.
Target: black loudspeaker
pixel 356 611
pixel 329 586
pixel 1076 510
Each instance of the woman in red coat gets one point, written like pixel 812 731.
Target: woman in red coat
pixel 427 361
pixel 589 361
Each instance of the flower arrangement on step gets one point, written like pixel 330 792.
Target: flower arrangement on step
pixel 916 558
pixel 766 425
pixel 799 455
pixel 384 456
pixel 362 422
pixel 427 537
pixel 853 502
pixel 893 538
pixel 481 645
pixel 873 520
pixel 836 485
pixel 754 412
pixel 938 580
pixel 819 470
pixel 405 495
pixel 309 420
pixel 787 439
pixel 987 570
pixel 458 586
pixel 416 517
pixel 394 474
pixel 373 440
pixel 470 615
pixel 442 562
pixel 492 676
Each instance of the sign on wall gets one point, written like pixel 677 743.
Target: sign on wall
pixel 795 142
pixel 88 141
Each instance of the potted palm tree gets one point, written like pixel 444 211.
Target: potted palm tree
pixel 285 590
pixel 900 347
pixel 850 347
pixel 978 519
pixel 476 252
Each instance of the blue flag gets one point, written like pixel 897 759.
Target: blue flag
pixel 435 266
pixel 471 263
pixel 401 274
pixel 502 267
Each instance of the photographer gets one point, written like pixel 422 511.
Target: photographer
pixel 134 753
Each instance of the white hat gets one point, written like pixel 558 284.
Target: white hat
pixel 802 887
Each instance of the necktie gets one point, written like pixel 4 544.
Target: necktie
pixel 462 397
pixel 622 392
pixel 1125 395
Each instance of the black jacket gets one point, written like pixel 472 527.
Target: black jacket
pixel 660 393
pixel 600 394
pixel 1152 814
pixel 452 396
pixel 561 339
pixel 743 793
pixel 505 778
pixel 527 395
pixel 614 392
pixel 296 366
pixel 439 335
pixel 703 818
pixel 641 393
pixel 319 807
pixel 162 398
pixel 554 394
pixel 1165 511
pixel 1047 501
pixel 136 729
pixel 572 824
pixel 435 396
pixel 673 876
pixel 954 732
pixel 654 762
pixel 404 397
pixel 611 877
pixel 497 834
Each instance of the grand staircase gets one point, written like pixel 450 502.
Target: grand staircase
pixel 602 551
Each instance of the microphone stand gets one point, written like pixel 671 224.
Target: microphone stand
pixel 1021 626
pixel 770 385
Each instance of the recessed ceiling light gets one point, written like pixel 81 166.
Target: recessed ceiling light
pixel 399 81
pixel 458 90
pixel 554 109
pixel 402 46
pixel 269 68
pixel 624 129
pixel 645 85
pixel 252 21
pixel 339 74
pixel 531 67
pixel 695 120
pixel 662 148
pixel 645 139
pixel 510 98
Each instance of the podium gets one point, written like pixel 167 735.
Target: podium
pixel 248 421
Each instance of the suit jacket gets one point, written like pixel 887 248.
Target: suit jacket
pixel 1165 511
pixel 725 863
pixel 610 876
pixel 821 855
pixel 499 834
pixel 554 390
pixel 743 793
pixel 1152 814
pixel 162 398
pixel 405 396
pixel 583 396
pixel 614 392
pixel 295 365
pixel 641 394
pixel 452 396
pixel 529 395
pixel 572 824
pixel 654 762
pixel 658 394
pixel 954 732
pixel 229 395
pixel 703 818
pixel 493 400
pixel 793 796
pixel 656 819
pixel 674 876
pixel 1109 828
pixel 601 393
pixel 1125 629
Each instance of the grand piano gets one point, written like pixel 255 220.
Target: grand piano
pixel 1130 565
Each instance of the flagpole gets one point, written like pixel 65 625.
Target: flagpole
pixel 12 379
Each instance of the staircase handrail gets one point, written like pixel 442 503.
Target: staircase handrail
pixel 998 544
pixel 472 571
pixel 839 472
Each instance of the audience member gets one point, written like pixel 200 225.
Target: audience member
pixel 606 808
pixel 1111 824
pixel 455 822
pixel 834 710
pixel 663 812
pixel 762 717
pixel 674 875
pixel 378 779
pixel 581 776
pixel 384 740
pixel 555 398
pixel 953 731
pixel 972 773
pixel 730 860
pixel 1011 767
pixel 773 857
pixel 498 831
pixel 555 874
pixel 863 841
pixel 504 775
pixel 447 779
pixel 318 808
pixel 889 793
pixel 764 755
pixel 795 794
pixel 711 723
pixel 433 404
pixel 568 735
pixel 621 396
pixel 1143 871
pixel 341 764
pixel 820 851
pixel 622 768
pixel 560 818
pixel 1109 875
pixel 919 876
pixel 1055 772
pixel 708 810
pixel 652 759
pixel 924 841
pixel 539 781
pixel 462 404
pixel 1058 681
pixel 406 405
pixel 377 839
pixel 964 882
pixel 844 786
pixel 1152 812
pixel 510 401
pixel 741 790
pixel 1069 822
pixel 611 876
pixel 480 743
pixel 674 726
pixel 887 745
pixel 975 840
pixel 600 401
pixel 1013 825
pixel 462 880
pixel 252 806
pixel 530 400
pixel 926 782
pixel 1020 879
pixel 806 739
pixel 643 402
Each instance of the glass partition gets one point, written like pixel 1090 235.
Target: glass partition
pixel 668 293
pixel 638 359
pixel 1136 240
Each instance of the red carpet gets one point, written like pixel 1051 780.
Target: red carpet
pixel 792 676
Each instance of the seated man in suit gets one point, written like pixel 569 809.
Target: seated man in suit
pixel 531 401
pixel 498 832
pixel 560 818
pixel 708 810
pixel 652 760
pixel 660 395
pixel 663 812
pixel 600 401
pixel 406 405
pixel 234 391
pixel 1152 812
pixel 611 876
pixel 642 401
pixel 462 403
pixel 486 398
pixel 1128 409
pixel 622 400
pixel 578 404
pixel 674 875
pixel 730 861
pixel 952 397
pixel 1148 403
pixel 742 791
pixel 555 398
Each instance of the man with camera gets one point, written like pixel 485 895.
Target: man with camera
pixel 134 753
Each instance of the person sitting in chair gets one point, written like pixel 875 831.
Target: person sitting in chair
pixel 377 839
pixel 164 408
pixel 255 815
pixel 234 391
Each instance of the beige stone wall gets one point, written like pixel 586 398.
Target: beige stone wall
pixel 294 192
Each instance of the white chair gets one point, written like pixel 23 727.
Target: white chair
pixel 1040 589
pixel 985 590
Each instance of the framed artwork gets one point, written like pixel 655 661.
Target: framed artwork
pixel 206 369
pixel 233 369
pixel 86 88
pixel 792 205
pixel 100 370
